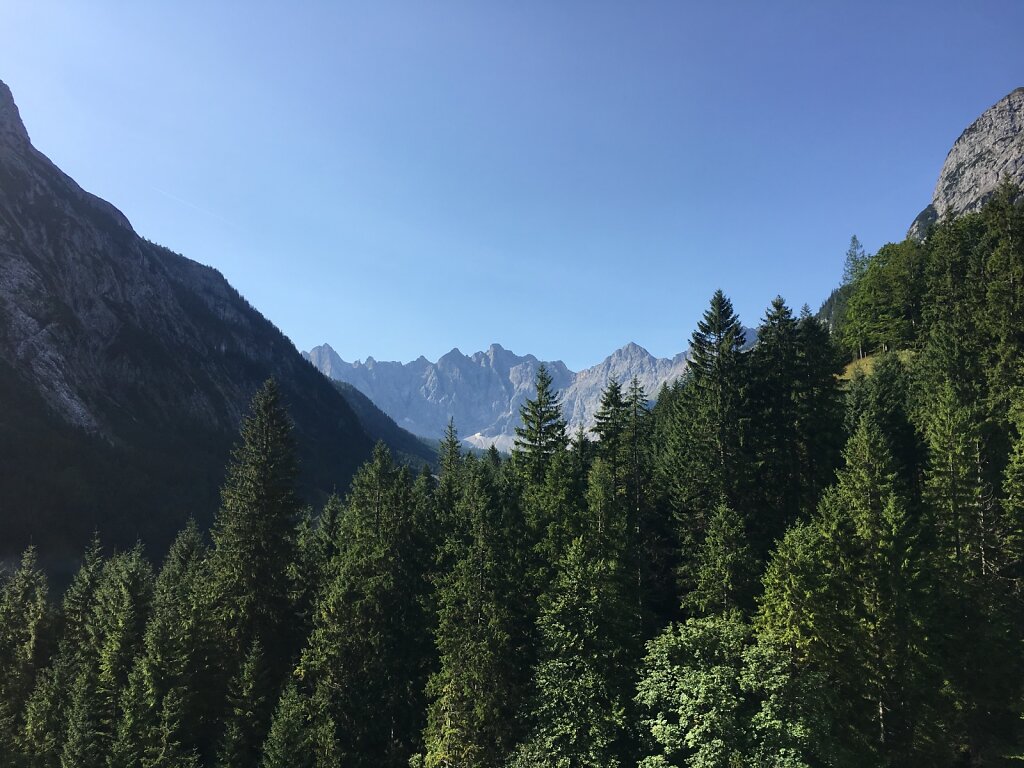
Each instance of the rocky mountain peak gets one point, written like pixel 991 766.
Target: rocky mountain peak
pixel 989 152
pixel 12 129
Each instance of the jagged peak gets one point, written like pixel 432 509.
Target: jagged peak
pixel 11 125
pixel 632 349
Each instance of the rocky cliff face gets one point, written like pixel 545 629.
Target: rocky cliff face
pixel 989 152
pixel 483 392
pixel 125 369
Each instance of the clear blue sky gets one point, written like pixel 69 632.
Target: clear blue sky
pixel 561 177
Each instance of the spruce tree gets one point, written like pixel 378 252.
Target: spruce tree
pixel 46 711
pixel 115 633
pixel 179 652
pixel 774 372
pixel 580 708
pixel 849 593
pixel 819 410
pixel 369 648
pixel 287 743
pixel 83 745
pixel 254 532
pixel 24 638
pixel 611 425
pixel 542 433
pixel 247 719
pixel 726 568
pixel 701 460
pixel 473 692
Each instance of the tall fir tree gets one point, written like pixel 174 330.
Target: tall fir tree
pixel 25 620
pixel 542 433
pixel 474 693
pixel 370 647
pixel 46 711
pixel 254 531
pixel 775 453
pixel 580 709
pixel 701 460
pixel 248 715
pixel 819 410
pixel 849 592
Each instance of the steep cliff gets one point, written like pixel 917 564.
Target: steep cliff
pixel 989 152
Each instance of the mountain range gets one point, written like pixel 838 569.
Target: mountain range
pixel 483 392
pixel 125 369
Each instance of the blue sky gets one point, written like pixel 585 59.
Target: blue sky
pixel 399 179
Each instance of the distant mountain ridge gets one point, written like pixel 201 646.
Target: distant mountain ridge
pixel 483 392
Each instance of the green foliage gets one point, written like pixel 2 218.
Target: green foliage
pixel 24 627
pixel 701 460
pixel 368 646
pixel 690 694
pixel 473 694
pixel 725 566
pixel 884 311
pixel 301 735
pixel 580 679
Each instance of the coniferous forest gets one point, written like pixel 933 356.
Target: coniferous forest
pixel 808 552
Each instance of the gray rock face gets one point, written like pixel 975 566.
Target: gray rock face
pixel 483 392
pixel 131 367
pixel 989 152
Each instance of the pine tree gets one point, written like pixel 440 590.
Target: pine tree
pixel 580 708
pixel 248 716
pixel 370 647
pixel 24 629
pixel 473 692
pixel 542 433
pixel 725 566
pixel 254 532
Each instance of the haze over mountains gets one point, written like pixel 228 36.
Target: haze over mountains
pixel 483 392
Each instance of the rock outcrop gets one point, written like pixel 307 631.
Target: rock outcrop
pixel 988 153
